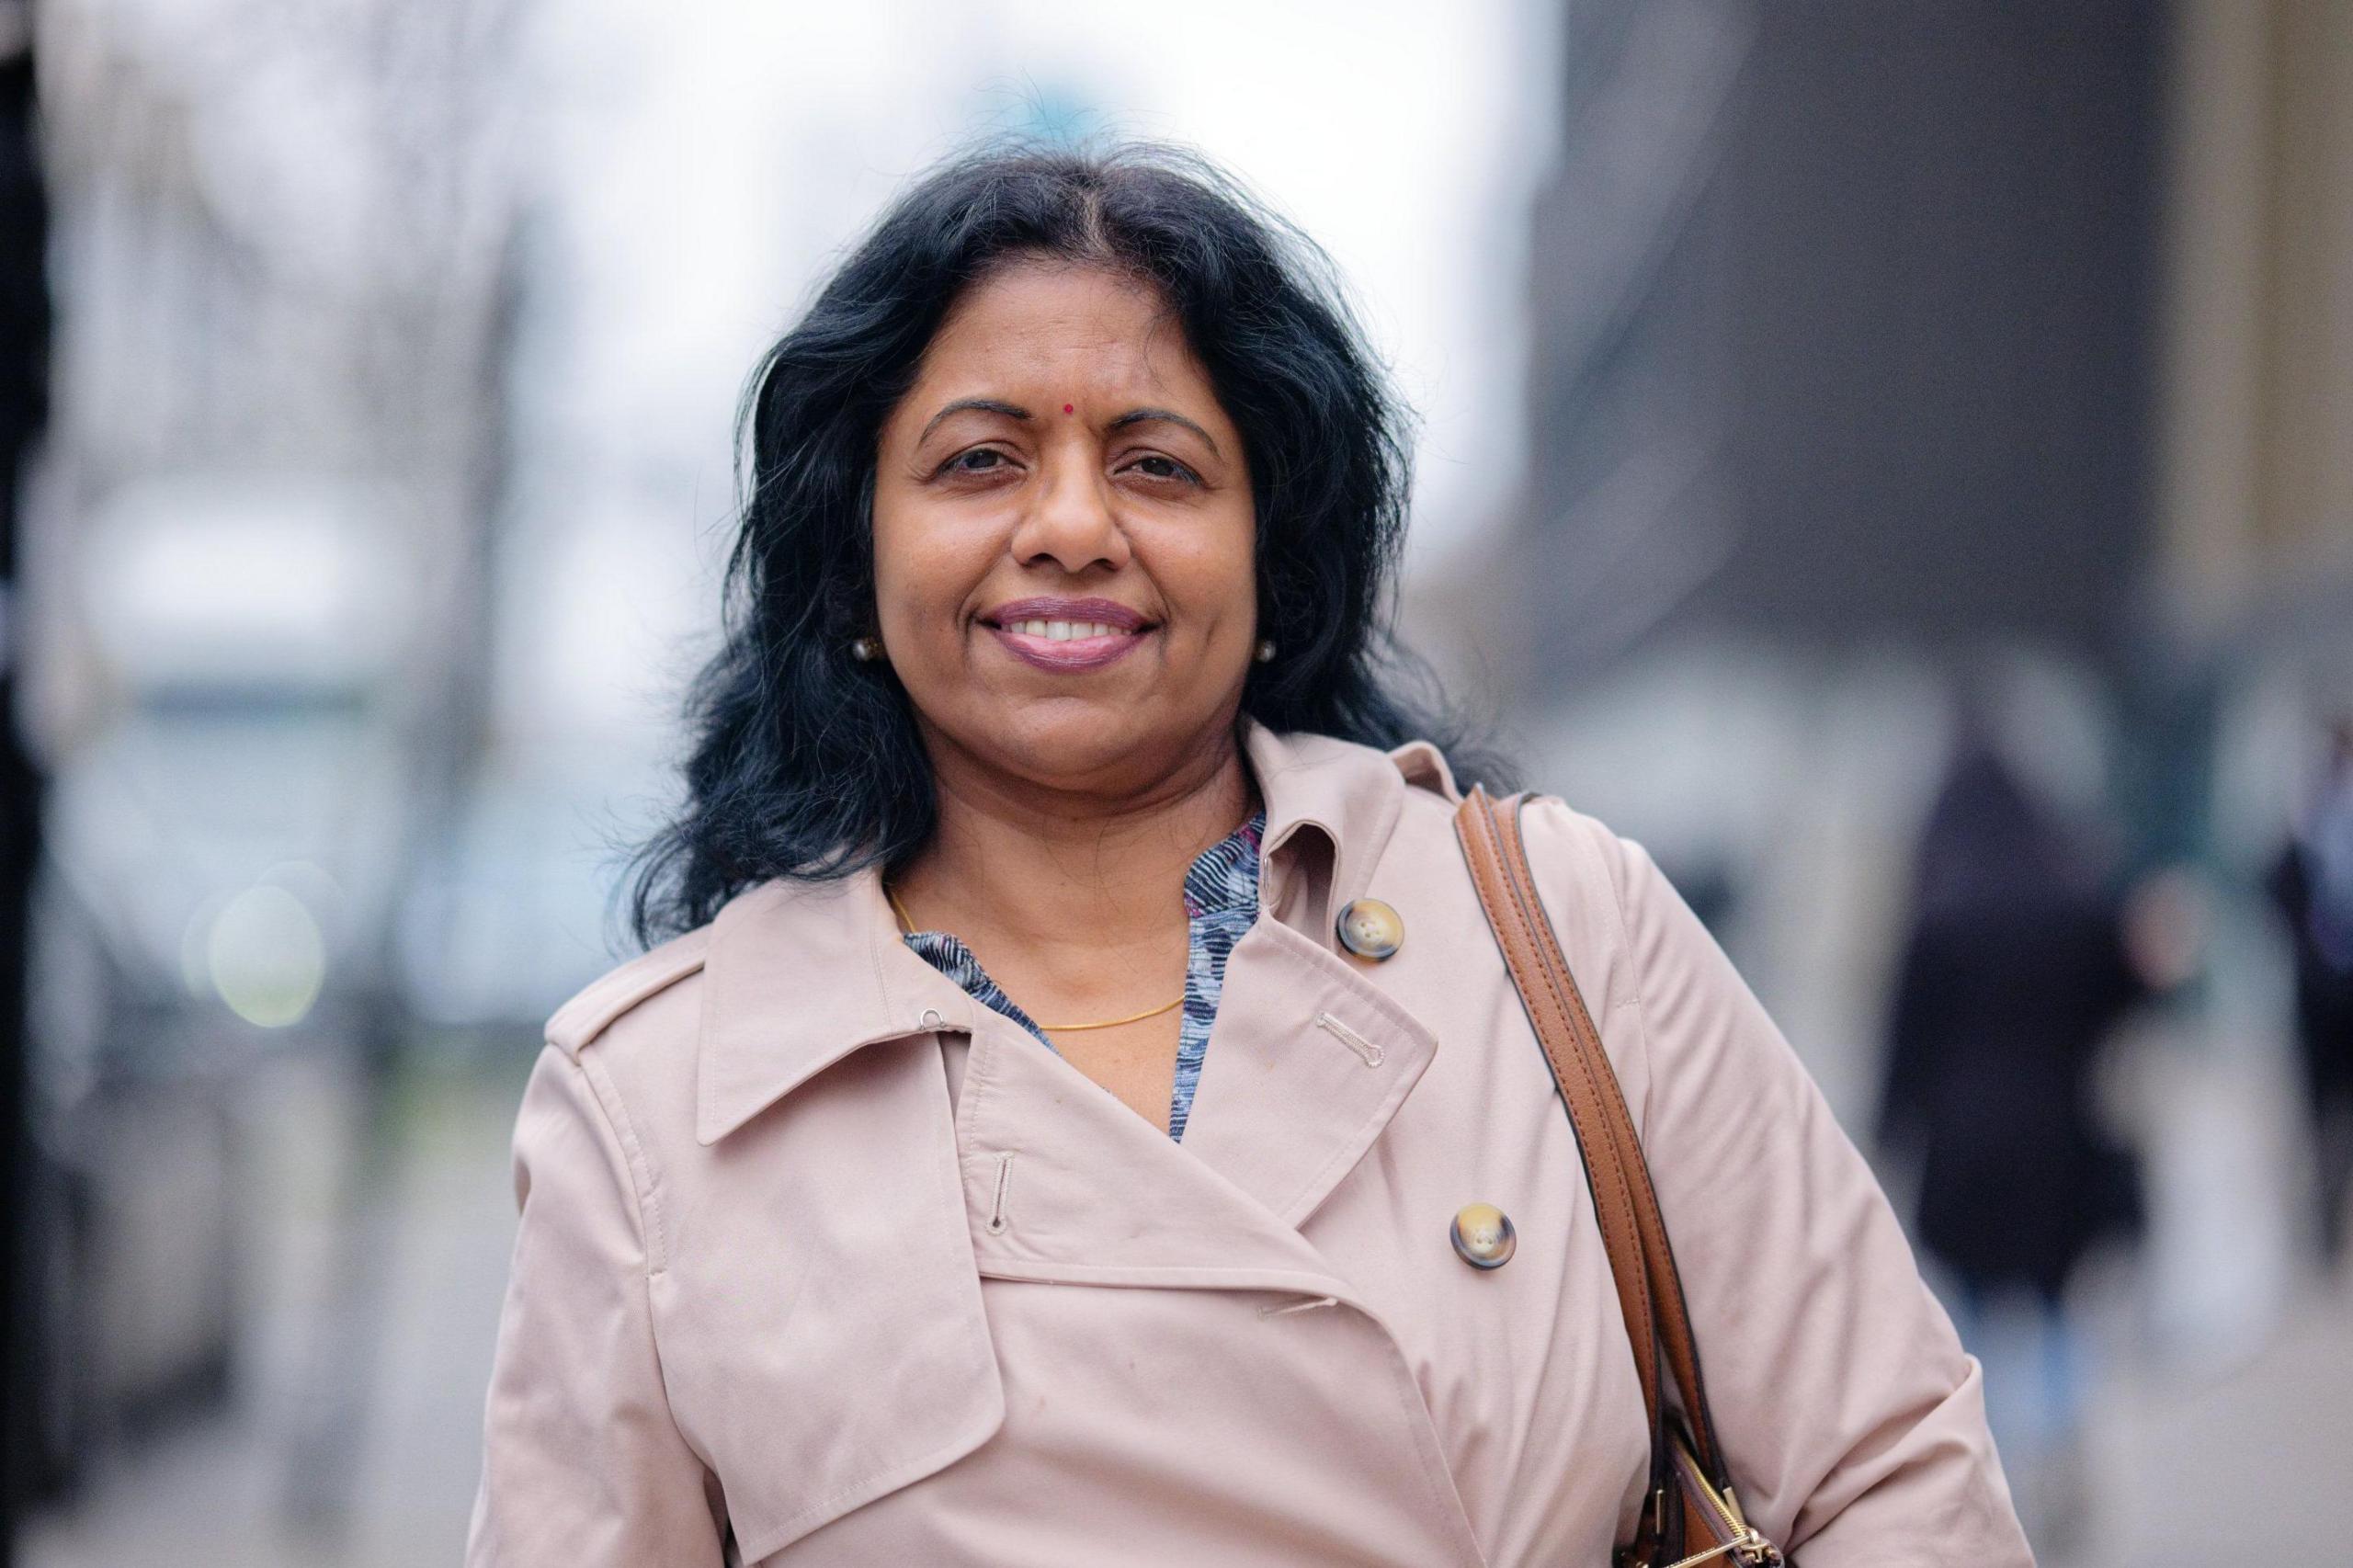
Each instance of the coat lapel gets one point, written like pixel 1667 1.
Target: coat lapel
pixel 1307 1064
pixel 798 977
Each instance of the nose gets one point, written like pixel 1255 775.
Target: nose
pixel 1071 521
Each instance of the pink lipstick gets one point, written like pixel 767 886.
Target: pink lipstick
pixel 1067 635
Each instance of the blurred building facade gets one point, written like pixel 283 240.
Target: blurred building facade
pixel 1846 320
pixel 1881 357
pixel 2254 499
pixel 1855 323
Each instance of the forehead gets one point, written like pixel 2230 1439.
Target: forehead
pixel 1091 328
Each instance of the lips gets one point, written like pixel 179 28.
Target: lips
pixel 1090 611
pixel 1067 635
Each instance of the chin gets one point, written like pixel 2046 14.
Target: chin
pixel 1078 749
pixel 1067 742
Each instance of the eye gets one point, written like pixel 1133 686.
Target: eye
pixel 980 459
pixel 1154 466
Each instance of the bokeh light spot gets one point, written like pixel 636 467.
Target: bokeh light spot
pixel 267 957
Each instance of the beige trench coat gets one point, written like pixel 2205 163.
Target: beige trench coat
pixel 822 1262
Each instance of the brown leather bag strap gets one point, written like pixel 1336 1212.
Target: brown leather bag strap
pixel 1650 1289
pixel 1676 1339
pixel 1552 1012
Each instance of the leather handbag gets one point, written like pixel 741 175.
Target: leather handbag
pixel 1690 1514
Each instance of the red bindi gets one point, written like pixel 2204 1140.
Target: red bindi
pixel 1066 408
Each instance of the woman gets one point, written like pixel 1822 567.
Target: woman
pixel 905 1207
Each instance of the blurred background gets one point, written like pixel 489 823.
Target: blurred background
pixel 1894 460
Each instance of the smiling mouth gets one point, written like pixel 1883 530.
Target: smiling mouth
pixel 1065 637
pixel 1065 630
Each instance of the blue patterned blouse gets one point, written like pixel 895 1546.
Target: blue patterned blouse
pixel 1221 901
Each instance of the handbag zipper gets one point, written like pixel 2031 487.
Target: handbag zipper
pixel 1750 1545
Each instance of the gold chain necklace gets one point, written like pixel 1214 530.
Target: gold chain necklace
pixel 907 923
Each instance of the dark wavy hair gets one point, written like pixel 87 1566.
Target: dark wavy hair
pixel 806 764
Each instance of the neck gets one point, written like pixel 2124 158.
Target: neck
pixel 1056 870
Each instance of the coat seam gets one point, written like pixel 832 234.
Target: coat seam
pixel 641 1181
pixel 624 1133
pixel 1638 980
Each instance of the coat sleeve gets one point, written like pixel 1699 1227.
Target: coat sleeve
pixel 582 1465
pixel 1853 1422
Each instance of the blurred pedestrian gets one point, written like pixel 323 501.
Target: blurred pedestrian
pixel 2017 964
pixel 2312 884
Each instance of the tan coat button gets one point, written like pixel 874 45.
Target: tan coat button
pixel 1370 930
pixel 1483 1235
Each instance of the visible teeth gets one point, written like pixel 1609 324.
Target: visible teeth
pixel 1065 630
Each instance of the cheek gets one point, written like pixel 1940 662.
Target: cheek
pixel 1212 573
pixel 920 571
pixel 1237 620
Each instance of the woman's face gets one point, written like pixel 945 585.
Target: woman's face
pixel 1064 536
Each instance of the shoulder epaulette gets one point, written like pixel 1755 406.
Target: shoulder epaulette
pixel 592 1010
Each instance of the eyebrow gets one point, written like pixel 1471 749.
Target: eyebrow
pixel 985 404
pixel 1014 411
pixel 1148 415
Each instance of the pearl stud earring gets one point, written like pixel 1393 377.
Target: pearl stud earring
pixel 1265 654
pixel 865 650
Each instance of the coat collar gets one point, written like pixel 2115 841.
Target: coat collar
pixel 800 975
